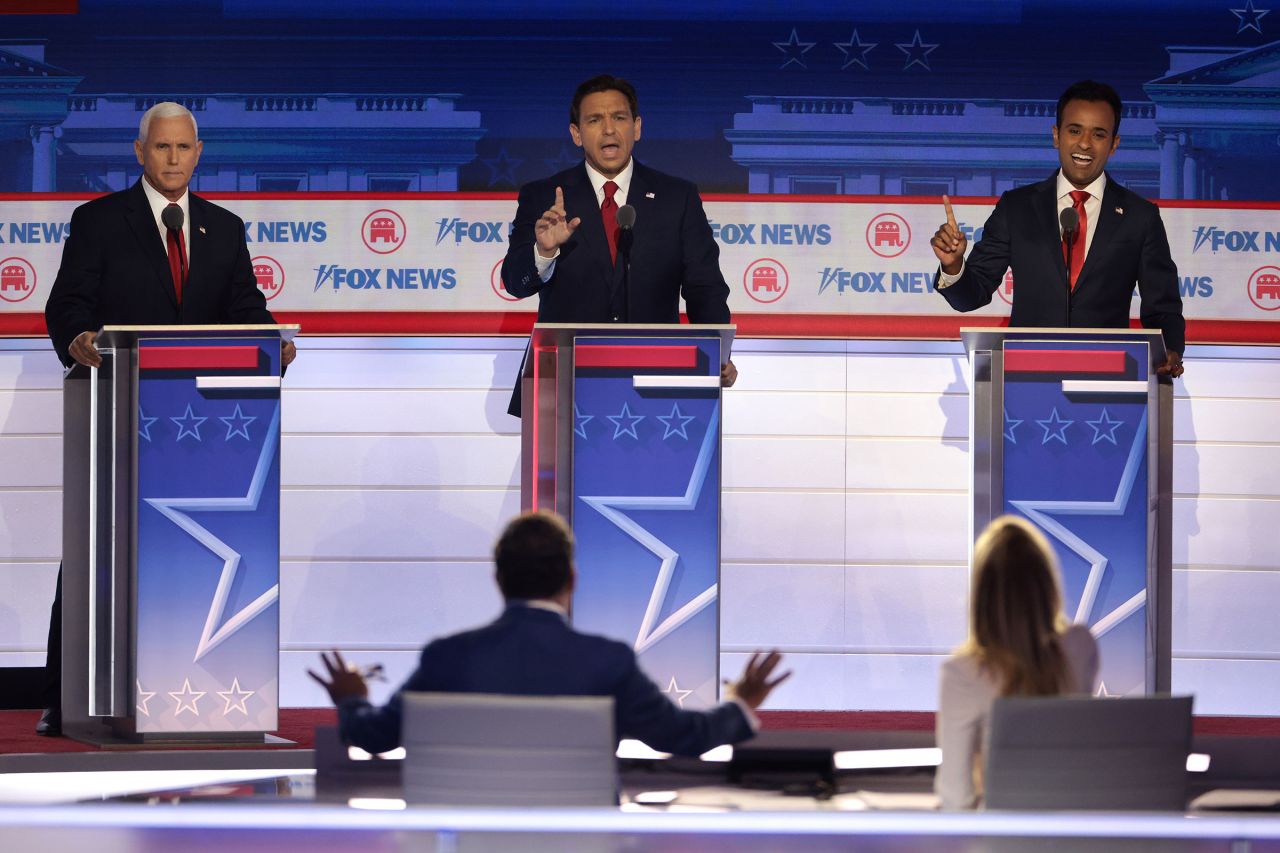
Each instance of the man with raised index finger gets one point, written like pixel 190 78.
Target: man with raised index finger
pixel 1077 243
pixel 565 240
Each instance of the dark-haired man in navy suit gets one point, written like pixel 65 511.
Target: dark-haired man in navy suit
pixel 122 265
pixel 1087 282
pixel 565 241
pixel 531 650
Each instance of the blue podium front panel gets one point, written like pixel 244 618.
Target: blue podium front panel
pixel 1076 465
pixel 208 538
pixel 646 504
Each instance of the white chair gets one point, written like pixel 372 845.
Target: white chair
pixel 1081 753
pixel 482 749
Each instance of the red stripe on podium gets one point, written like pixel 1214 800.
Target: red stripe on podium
pixel 1063 361
pixel 605 355
pixel 198 358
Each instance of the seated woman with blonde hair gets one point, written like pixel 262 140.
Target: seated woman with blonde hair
pixel 1019 645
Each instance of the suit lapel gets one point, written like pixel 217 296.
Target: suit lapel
pixel 645 205
pixel 1108 223
pixel 198 250
pixel 580 200
pixel 153 249
pixel 1047 211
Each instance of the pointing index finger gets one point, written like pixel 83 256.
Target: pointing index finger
pixel 559 198
pixel 951 215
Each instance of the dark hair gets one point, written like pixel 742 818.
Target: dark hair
pixel 534 556
pixel 1091 90
pixel 603 83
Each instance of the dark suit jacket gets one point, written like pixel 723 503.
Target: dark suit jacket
pixel 115 271
pixel 533 652
pixel 1128 248
pixel 673 255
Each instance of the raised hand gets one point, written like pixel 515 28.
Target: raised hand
pixel 949 243
pixel 754 686
pixel 555 227
pixel 343 681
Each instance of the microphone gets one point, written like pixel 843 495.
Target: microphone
pixel 626 222
pixel 1069 219
pixel 171 216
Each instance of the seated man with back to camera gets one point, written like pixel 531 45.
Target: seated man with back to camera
pixel 1019 645
pixel 531 650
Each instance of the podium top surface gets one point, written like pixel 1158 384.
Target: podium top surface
pixel 126 335
pixel 978 339
pixel 560 334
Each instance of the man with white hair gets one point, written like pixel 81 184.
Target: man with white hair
pixel 154 254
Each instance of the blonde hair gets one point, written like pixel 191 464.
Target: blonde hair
pixel 1015 610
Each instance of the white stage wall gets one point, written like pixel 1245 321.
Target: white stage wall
pixel 844 510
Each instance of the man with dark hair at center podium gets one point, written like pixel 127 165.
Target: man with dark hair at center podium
pixel 531 650
pixel 567 245
pixel 151 255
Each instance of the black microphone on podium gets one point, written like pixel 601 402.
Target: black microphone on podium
pixel 1069 219
pixel 626 222
pixel 172 218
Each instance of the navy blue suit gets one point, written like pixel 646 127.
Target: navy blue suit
pixel 115 271
pixel 673 254
pixel 529 651
pixel 1129 247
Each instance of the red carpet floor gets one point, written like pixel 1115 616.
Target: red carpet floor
pixel 17 728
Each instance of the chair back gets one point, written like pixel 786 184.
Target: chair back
pixel 1082 753
pixel 483 749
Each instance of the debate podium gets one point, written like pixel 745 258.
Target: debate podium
pixel 171 536
pixel 621 436
pixel 1073 430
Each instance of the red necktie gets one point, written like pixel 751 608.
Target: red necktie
pixel 1076 259
pixel 177 259
pixel 609 212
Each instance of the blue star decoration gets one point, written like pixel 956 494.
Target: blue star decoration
pixel 1055 428
pixel 629 428
pixel 855 51
pixel 502 168
pixel 580 421
pixel 1104 428
pixel 794 49
pixel 613 508
pixel 1250 18
pixel 675 423
pixel 144 424
pixel 567 158
pixel 238 423
pixel 1010 424
pixel 1043 514
pixel 188 424
pixel 217 629
pixel 917 52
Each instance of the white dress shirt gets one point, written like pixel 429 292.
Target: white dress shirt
pixel 1092 208
pixel 966 693
pixel 547 266
pixel 158 203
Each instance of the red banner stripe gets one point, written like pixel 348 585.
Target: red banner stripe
pixel 607 355
pixel 1063 361
pixel 198 358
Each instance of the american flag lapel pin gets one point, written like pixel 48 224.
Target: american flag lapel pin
pixel 649 195
pixel 1120 210
pixel 202 231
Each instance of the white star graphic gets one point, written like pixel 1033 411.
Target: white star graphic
pixel 1055 427
pixel 144 696
pixel 855 51
pixel 794 49
pixel 188 424
pixel 1010 424
pixel 677 695
pixel 1042 512
pixel 619 429
pixel 676 423
pixel 581 421
pixel 609 506
pixel 917 52
pixel 238 423
pixel 175 509
pixel 1104 428
pixel 235 698
pixel 144 424
pixel 186 698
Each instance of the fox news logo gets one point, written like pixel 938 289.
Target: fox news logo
pixel 859 281
pixel 286 231
pixel 771 233
pixel 472 232
pixel 1218 240
pixel 28 233
pixel 385 278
